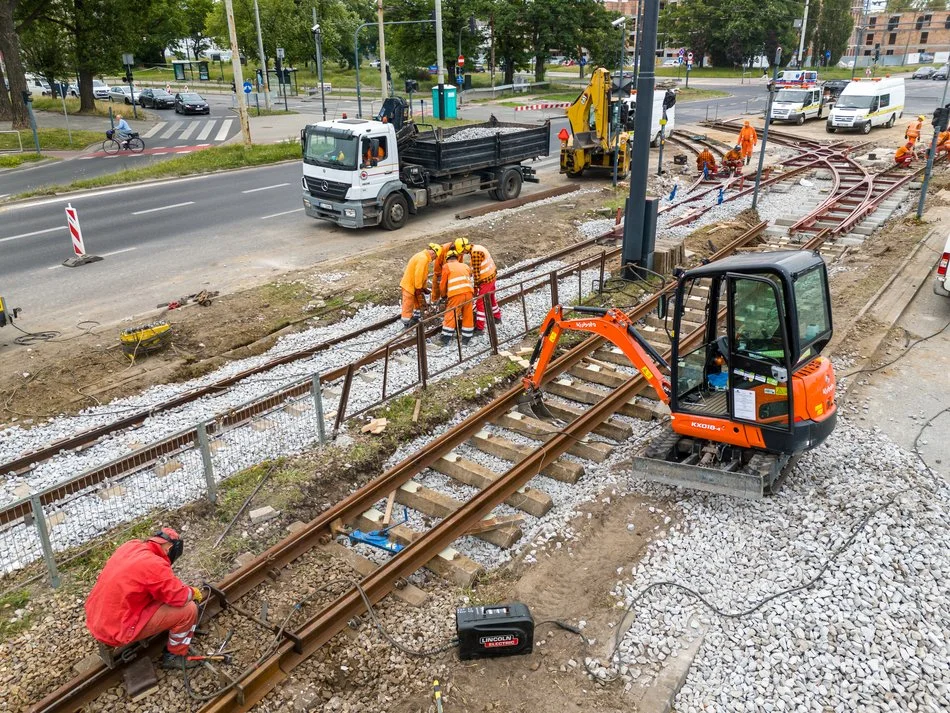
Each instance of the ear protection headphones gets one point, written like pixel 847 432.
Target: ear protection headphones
pixel 178 546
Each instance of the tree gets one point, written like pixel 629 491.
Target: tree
pixel 14 107
pixel 834 27
pixel 48 51
pixel 692 24
pixel 506 18
pixel 195 12
pixel 159 25
pixel 409 47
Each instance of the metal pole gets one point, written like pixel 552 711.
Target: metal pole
pixel 635 242
pixel 356 54
pixel 36 136
pixel 317 392
pixel 860 36
pixel 262 56
pixel 69 133
pixel 930 158
pixel 637 39
pixel 659 160
pixel 616 128
pixel 382 50
pixel 765 131
pixel 128 72
pixel 317 38
pixel 238 75
pixel 208 466
pixel 439 58
pixel 39 519
pixel 801 42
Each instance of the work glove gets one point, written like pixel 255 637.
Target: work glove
pixel 196 595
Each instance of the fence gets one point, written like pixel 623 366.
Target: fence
pixel 52 524
pixel 18 138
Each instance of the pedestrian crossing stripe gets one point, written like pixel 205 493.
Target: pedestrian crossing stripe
pixel 182 130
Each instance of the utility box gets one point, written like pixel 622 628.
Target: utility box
pixel 451 102
pixel 468 82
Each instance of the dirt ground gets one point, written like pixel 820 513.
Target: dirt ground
pixel 86 369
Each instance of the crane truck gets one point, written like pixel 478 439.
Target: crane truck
pixel 366 172
pixel 748 390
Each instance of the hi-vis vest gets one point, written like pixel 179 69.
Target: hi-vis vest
pixel 457 277
pixel 486 271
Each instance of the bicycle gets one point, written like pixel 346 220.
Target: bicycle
pixel 112 146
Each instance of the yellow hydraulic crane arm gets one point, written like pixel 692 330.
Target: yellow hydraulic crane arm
pixel 590 112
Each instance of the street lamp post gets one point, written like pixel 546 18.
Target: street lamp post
pixel 931 156
pixel 620 22
pixel 318 41
pixel 765 131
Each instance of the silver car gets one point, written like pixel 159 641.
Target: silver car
pixel 121 93
pixel 100 90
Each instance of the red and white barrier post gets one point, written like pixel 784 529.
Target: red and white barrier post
pixel 75 233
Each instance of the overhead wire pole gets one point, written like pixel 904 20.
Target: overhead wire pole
pixel 931 155
pixel 765 131
pixel 261 55
pixel 318 41
pixel 440 60
pixel 382 49
pixel 801 42
pixel 638 238
pixel 238 75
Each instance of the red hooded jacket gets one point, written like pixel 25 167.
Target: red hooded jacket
pixel 135 582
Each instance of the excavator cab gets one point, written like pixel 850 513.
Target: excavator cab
pixel 748 389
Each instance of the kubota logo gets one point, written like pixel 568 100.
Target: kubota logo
pixel 707 426
pixel 585 325
pixel 828 389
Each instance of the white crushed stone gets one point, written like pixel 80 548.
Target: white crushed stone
pixel 481 132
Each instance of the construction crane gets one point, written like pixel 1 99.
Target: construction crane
pixel 750 396
pixel 592 142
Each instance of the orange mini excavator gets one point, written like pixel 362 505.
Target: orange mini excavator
pixel 748 389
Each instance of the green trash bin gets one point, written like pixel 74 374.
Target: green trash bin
pixel 451 103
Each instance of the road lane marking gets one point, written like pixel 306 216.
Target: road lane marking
pixel 114 252
pixel 191 128
pixel 209 124
pixel 164 207
pixel 223 131
pixel 286 212
pixel 265 188
pixel 171 130
pixel 154 130
pixel 35 232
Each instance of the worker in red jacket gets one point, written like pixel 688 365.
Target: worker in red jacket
pixel 138 596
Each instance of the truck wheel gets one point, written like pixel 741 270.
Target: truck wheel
pixel 509 187
pixel 493 194
pixel 830 129
pixel 800 120
pixel 866 129
pixel 891 121
pixel 395 210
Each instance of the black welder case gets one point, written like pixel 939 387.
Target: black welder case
pixel 495 630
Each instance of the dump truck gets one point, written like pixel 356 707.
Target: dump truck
pixel 366 172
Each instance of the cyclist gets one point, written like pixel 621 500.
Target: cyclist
pixel 123 131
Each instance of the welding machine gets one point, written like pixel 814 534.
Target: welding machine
pixel 494 630
pixel 7 315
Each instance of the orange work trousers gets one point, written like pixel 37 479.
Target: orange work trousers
pixel 411 308
pixel 746 150
pixel 179 622
pixel 459 309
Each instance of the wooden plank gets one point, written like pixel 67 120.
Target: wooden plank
pixel 564 471
pixel 388 514
pixel 527 499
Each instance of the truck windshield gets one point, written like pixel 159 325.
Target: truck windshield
pixel 329 148
pixel 854 102
pixel 795 96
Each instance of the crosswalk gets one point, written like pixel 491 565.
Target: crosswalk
pixel 198 129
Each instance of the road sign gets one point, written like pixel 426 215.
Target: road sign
pixel 689 57
pixel 583 61
pixel 247 87
pixel 461 61
pixel 280 53
pixel 127 59
pixel 682 52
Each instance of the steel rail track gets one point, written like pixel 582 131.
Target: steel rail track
pixel 88 686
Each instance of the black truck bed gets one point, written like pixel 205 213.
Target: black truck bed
pixel 442 158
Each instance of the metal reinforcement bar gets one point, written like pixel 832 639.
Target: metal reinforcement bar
pixel 87 687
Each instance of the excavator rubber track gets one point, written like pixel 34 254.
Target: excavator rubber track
pixel 759 477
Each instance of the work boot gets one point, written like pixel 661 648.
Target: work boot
pixel 172 661
pixel 465 341
pixel 445 341
pixel 497 320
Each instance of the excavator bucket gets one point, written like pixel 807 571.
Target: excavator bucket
pixel 531 404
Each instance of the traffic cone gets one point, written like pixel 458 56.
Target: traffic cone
pixel 79 248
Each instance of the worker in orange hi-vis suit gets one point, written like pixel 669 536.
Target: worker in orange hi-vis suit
pixel 912 133
pixel 458 288
pixel 732 160
pixel 943 142
pixel 706 162
pixel 904 154
pixel 484 273
pixel 414 284
pixel 437 294
pixel 747 140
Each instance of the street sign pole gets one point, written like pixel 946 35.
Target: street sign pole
pixel 765 131
pixel 238 75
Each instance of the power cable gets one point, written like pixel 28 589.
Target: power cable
pixel 898 357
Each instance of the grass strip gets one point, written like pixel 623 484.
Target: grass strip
pixel 216 158
pixel 53 139
pixel 18 159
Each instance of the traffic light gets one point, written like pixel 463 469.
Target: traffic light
pixel 411 86
pixel 128 76
pixel 278 65
pixel 389 74
pixel 472 25
pixel 877 52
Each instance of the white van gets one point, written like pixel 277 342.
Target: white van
pixel 867 102
pixel 797 104
pixel 658 96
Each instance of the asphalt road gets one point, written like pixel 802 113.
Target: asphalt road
pixel 162 241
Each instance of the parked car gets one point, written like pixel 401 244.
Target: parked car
pixel 941 74
pixel 191 103
pixel 121 93
pixel 100 90
pixel 34 83
pixel 923 73
pixel 374 63
pixel 479 67
pixel 942 276
pixel 157 99
pixel 671 62
pixel 64 88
